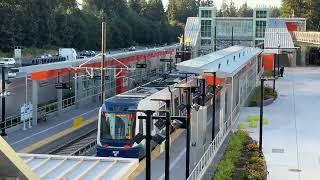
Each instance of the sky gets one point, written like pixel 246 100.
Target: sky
pixel 252 3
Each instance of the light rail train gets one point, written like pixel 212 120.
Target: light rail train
pixel 117 125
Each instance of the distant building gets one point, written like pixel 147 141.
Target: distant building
pixel 207 32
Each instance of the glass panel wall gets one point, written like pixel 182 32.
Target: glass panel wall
pixel 260 29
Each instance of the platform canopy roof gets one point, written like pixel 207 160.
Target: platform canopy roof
pixel 79 167
pixel 277 35
pixel 226 62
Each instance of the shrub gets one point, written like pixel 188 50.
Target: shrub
pixel 241 126
pixel 268 73
pixel 268 93
pixel 226 167
pixel 253 124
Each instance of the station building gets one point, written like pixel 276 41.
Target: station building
pixel 209 33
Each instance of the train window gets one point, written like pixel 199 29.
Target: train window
pixel 32 61
pixel 117 126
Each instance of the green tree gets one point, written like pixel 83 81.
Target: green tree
pixel 303 8
pixel 274 12
pixel 245 11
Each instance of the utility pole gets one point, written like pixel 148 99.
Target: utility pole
pixel 103 51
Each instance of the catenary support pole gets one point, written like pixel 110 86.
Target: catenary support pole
pixel 261 115
pixel 103 51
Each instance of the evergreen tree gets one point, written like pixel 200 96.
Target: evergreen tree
pixel 245 11
pixel 274 12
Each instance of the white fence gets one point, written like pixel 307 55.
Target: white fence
pixel 215 145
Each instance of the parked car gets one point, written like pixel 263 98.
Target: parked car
pixel 7 61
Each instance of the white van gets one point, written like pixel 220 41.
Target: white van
pixel 7 61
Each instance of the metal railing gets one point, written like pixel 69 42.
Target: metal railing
pixel 306 37
pixel 213 148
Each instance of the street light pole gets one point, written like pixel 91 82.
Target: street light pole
pixel 167 147
pixel 261 114
pixel 148 144
pixel 3 115
pixel 188 130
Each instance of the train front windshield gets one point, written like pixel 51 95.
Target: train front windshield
pixel 117 126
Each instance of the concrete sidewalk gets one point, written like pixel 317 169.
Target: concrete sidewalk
pixel 291 139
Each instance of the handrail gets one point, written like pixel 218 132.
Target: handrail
pixel 306 37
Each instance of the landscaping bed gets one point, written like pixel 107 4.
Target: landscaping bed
pixel 242 160
pixel 269 96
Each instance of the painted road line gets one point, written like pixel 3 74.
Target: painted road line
pixel 43 131
pixel 174 162
pixel 54 137
pixel 154 155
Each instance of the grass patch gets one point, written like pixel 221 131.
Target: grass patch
pixel 268 73
pixel 241 126
pixel 253 124
pixel 268 94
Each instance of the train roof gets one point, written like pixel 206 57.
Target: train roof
pixel 144 91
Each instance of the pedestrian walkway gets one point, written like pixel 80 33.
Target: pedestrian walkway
pixel 20 139
pixel 291 139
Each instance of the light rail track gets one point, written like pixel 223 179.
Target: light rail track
pixel 80 146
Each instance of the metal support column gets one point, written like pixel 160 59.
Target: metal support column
pixel 35 89
pixel 215 38
pixel 214 106
pixel 232 43
pixel 60 98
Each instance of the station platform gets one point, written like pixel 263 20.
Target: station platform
pixel 54 128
